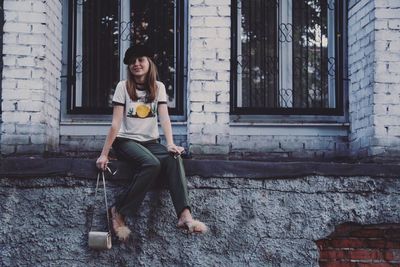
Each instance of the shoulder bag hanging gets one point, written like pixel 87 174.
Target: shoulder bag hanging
pixel 98 239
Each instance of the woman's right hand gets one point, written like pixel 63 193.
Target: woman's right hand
pixel 102 162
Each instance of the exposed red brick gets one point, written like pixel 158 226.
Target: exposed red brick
pixel 361 246
pixel 378 264
pixel 393 233
pixel 347 243
pixel 369 233
pixel 392 244
pixel 337 264
pixel 374 243
pixel 392 255
pixel 333 254
pixel 365 254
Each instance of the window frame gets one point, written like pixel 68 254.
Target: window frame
pixel 320 114
pixel 177 114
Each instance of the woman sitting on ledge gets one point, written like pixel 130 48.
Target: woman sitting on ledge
pixel 134 137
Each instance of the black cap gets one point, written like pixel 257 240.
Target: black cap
pixel 137 51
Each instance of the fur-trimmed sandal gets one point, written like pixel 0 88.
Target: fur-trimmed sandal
pixel 120 229
pixel 193 226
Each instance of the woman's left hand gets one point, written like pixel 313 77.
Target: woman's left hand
pixel 175 149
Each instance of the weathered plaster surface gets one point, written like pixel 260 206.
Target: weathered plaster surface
pixel 264 222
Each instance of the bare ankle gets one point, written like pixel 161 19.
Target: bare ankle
pixel 185 215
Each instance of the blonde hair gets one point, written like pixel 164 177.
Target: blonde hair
pixel 150 83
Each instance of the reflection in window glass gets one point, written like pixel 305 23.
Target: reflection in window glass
pixel 258 60
pixel 156 28
pixel 310 54
pixel 97 57
pixel 285 54
pixel 101 31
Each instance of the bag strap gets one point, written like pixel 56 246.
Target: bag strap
pixel 105 198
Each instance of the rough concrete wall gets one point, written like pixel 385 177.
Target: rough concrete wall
pixel 252 222
pixel 32 68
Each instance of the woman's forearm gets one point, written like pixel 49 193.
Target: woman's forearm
pixel 112 134
pixel 165 123
pixel 167 129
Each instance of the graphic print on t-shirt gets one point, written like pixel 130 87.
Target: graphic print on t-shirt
pixel 140 109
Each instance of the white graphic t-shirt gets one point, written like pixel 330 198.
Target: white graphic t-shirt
pixel 140 118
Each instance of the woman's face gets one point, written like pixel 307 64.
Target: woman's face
pixel 139 66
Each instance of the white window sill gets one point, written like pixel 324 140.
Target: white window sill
pixel 295 128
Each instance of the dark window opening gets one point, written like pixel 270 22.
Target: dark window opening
pixel 100 32
pixel 287 57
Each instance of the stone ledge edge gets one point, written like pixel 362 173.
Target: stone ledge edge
pixel 36 167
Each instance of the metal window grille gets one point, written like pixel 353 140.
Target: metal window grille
pixel 101 31
pixel 287 57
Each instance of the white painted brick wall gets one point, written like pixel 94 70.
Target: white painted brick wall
pixel 374 63
pixel 361 38
pixel 208 128
pixel 31 75
pixel 209 65
pixel 32 67
pixel 386 98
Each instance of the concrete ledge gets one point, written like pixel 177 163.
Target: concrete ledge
pixel 29 167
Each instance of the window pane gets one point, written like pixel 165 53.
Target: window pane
pixel 310 54
pixel 286 54
pixel 153 24
pixel 97 58
pixel 258 61
pixel 100 30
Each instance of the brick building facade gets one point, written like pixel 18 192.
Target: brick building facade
pixel 35 117
pixel 238 90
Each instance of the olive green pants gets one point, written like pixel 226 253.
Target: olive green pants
pixel 153 165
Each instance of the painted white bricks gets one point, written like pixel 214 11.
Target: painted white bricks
pixel 209 56
pixel 204 11
pixel 202 96
pixel 374 57
pixel 203 75
pixel 202 118
pixel 31 84
pixel 215 107
pixel 203 32
pixel 224 11
pixel 31 75
pixel 219 3
pixel 217 21
pixel 209 131
pixel 204 53
pixel 387 79
pixel 15 49
pixel 361 38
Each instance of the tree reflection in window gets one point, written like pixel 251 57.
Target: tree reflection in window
pixel 289 61
pixel 98 32
pixel 153 25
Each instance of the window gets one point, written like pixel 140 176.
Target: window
pixel 99 34
pixel 287 57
